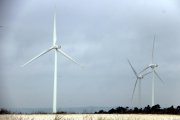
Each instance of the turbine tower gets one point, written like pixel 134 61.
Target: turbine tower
pixel 153 71
pixel 57 49
pixel 139 77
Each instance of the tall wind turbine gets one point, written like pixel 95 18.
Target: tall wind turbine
pixel 153 71
pixel 139 77
pixel 57 49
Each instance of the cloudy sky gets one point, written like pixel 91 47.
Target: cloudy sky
pixel 100 35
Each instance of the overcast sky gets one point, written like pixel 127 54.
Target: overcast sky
pixel 100 35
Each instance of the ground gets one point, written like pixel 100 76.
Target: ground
pixel 89 117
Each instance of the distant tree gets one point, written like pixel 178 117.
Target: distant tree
pixel 61 112
pixel 126 109
pixel 171 110
pixel 136 110
pixel 4 111
pixel 120 110
pixel 111 111
pixel 155 108
pixel 102 111
pixel 140 110
pixel 178 109
pixel 147 109
pixel 130 111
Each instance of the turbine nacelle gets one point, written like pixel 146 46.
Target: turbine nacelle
pixel 56 47
pixel 153 65
pixel 140 76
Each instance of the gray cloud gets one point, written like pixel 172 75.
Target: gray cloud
pixel 100 35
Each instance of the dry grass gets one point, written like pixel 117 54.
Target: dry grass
pixel 88 117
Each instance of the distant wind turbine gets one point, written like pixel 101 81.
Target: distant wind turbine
pixel 139 77
pixel 153 71
pixel 57 49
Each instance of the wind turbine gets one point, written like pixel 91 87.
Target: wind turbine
pixel 139 77
pixel 57 49
pixel 153 71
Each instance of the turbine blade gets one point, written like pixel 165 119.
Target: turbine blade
pixel 142 70
pixel 134 88
pixel 38 56
pixel 147 73
pixel 68 57
pixel 132 67
pixel 54 36
pixel 153 50
pixel 158 76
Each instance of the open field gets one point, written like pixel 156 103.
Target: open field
pixel 89 117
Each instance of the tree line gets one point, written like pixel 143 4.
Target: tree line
pixel 156 109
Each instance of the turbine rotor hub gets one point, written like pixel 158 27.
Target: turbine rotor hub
pixel 140 77
pixel 153 65
pixel 56 46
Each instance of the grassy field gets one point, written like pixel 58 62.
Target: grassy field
pixel 88 117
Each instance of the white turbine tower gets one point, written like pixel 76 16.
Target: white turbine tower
pixel 57 49
pixel 139 77
pixel 153 71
